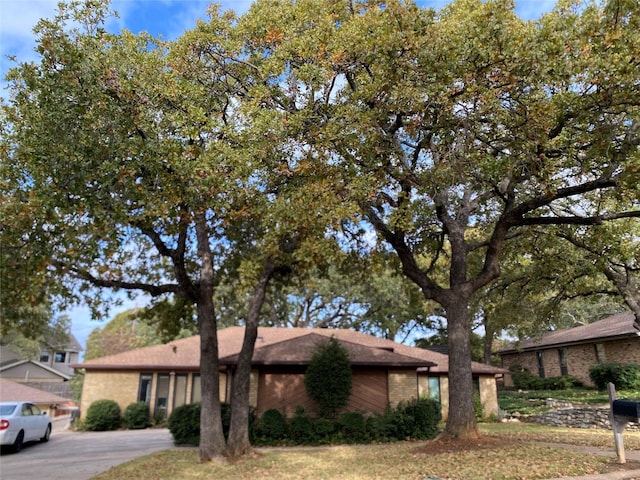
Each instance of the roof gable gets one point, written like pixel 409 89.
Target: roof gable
pixel 299 351
pixel 16 392
pixel 5 369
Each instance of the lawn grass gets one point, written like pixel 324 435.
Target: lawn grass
pixel 534 401
pixel 511 458
pixel 587 437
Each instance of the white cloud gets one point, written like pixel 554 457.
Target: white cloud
pixel 17 20
pixel 18 17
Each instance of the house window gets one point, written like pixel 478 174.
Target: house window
pixel 434 388
pixel 144 391
pixel 60 357
pixel 195 389
pixel 180 391
pixel 540 365
pixel 44 357
pixel 600 354
pixel 162 394
pixel 562 354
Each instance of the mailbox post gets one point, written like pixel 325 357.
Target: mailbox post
pixel 621 412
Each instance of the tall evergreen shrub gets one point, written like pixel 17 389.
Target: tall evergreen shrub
pixel 328 378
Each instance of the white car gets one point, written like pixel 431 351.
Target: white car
pixel 22 422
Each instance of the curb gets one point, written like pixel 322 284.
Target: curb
pixel 621 475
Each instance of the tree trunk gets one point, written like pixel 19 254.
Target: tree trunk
pixel 462 421
pixel 239 443
pixel 212 444
pixel 488 340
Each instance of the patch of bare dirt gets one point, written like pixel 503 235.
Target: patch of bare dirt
pixel 452 445
pixel 614 466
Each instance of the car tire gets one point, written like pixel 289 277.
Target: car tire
pixel 19 442
pixel 47 434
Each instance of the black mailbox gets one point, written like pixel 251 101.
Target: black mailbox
pixel 626 408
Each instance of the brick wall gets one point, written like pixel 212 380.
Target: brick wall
pixel 489 395
pixel 403 386
pixel 444 397
pixel 121 387
pixel 579 358
pixel 623 351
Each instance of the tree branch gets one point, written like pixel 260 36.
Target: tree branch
pixel 82 274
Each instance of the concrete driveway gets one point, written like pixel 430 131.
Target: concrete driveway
pixel 81 455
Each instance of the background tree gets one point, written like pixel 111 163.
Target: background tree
pixel 129 330
pixel 534 295
pixel 34 330
pixel 363 294
pixel 613 250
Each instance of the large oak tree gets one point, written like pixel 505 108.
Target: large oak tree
pixel 455 130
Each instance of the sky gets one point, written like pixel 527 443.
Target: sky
pixel 166 18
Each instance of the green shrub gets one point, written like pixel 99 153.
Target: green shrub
pixel 328 378
pixel 560 383
pixel 184 424
pixel 352 425
pixel 380 428
pixel 625 376
pixel 136 416
pixel 418 419
pixel 272 426
pixel 301 429
pixel 523 379
pixel 478 407
pixel 159 418
pixel 323 430
pixel 103 415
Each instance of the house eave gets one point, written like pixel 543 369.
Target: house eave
pixel 138 368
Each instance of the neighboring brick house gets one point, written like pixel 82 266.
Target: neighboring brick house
pixel 384 372
pixel 575 350
pixel 49 373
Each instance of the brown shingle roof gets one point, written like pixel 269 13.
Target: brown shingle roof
pixel 617 326
pixel 299 350
pixel 185 354
pixel 17 392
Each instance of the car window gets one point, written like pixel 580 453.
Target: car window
pixel 35 410
pixel 7 409
pixel 26 410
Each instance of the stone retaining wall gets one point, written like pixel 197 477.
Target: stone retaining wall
pixel 577 417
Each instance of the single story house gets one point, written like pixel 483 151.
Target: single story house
pixel 384 372
pixel 54 405
pixel 573 351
